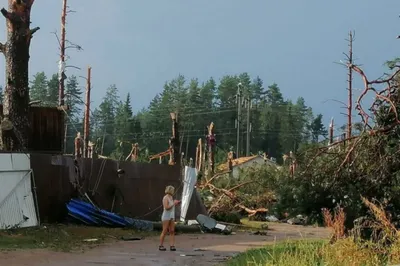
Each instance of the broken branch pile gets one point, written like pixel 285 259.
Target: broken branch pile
pixel 224 196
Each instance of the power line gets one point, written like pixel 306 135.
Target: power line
pixel 112 121
pixel 166 134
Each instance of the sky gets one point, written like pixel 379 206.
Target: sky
pixel 139 45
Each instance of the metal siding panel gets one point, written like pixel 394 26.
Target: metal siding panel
pixel 26 201
pixel 16 197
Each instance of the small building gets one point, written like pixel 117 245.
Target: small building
pixel 46 129
pixel 244 162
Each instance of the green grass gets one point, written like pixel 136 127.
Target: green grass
pixel 61 237
pixel 299 253
pixel 319 253
pixel 254 224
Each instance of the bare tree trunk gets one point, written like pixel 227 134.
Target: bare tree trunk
pixel 15 122
pixel 211 148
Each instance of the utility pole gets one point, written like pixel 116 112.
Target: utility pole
pixel 350 85
pixel 61 66
pixel 86 129
pixel 239 104
pixel 248 127
pixel 331 132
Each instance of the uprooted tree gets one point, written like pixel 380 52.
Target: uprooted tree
pixel 15 123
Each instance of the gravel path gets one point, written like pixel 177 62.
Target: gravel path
pixel 195 249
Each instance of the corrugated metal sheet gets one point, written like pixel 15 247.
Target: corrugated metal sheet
pixel 17 205
pixel 46 129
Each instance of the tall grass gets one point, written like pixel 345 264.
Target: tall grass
pixel 383 248
pixel 301 253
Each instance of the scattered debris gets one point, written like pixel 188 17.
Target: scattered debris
pixel 264 226
pixel 298 220
pixel 192 255
pixel 91 240
pixel 271 218
pixel 179 228
pixel 210 225
pixel 131 238
pixel 260 233
pixel 192 222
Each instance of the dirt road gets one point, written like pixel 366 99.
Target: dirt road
pixel 199 249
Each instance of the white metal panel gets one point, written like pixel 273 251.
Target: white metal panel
pixel 14 161
pixel 17 207
pixel 188 187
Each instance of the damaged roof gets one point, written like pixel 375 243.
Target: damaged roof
pixel 235 162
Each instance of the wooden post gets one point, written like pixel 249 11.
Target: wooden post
pixel 86 130
pixel 61 65
pixel 15 122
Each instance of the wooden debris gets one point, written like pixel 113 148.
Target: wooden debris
pixel 134 154
pixel 78 145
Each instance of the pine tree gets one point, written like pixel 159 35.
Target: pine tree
pixel 74 112
pixel 106 118
pixel 52 90
pixel 38 89
pixel 317 128
pixel 74 97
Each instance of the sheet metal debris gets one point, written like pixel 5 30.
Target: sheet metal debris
pixel 86 213
pixel 210 225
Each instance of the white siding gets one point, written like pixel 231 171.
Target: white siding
pixel 17 207
pixel 258 161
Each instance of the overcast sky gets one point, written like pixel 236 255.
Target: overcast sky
pixel 138 45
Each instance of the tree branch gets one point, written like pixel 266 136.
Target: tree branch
pixel 32 31
pixel 10 16
pixel 2 48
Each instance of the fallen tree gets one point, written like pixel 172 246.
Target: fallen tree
pixel 365 165
pixel 232 199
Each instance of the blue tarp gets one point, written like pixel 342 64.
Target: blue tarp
pixel 88 214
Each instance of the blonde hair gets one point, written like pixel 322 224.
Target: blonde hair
pixel 169 190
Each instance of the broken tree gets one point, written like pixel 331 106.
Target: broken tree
pixel 15 123
pixel 211 148
pixel 174 141
pixel 199 155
